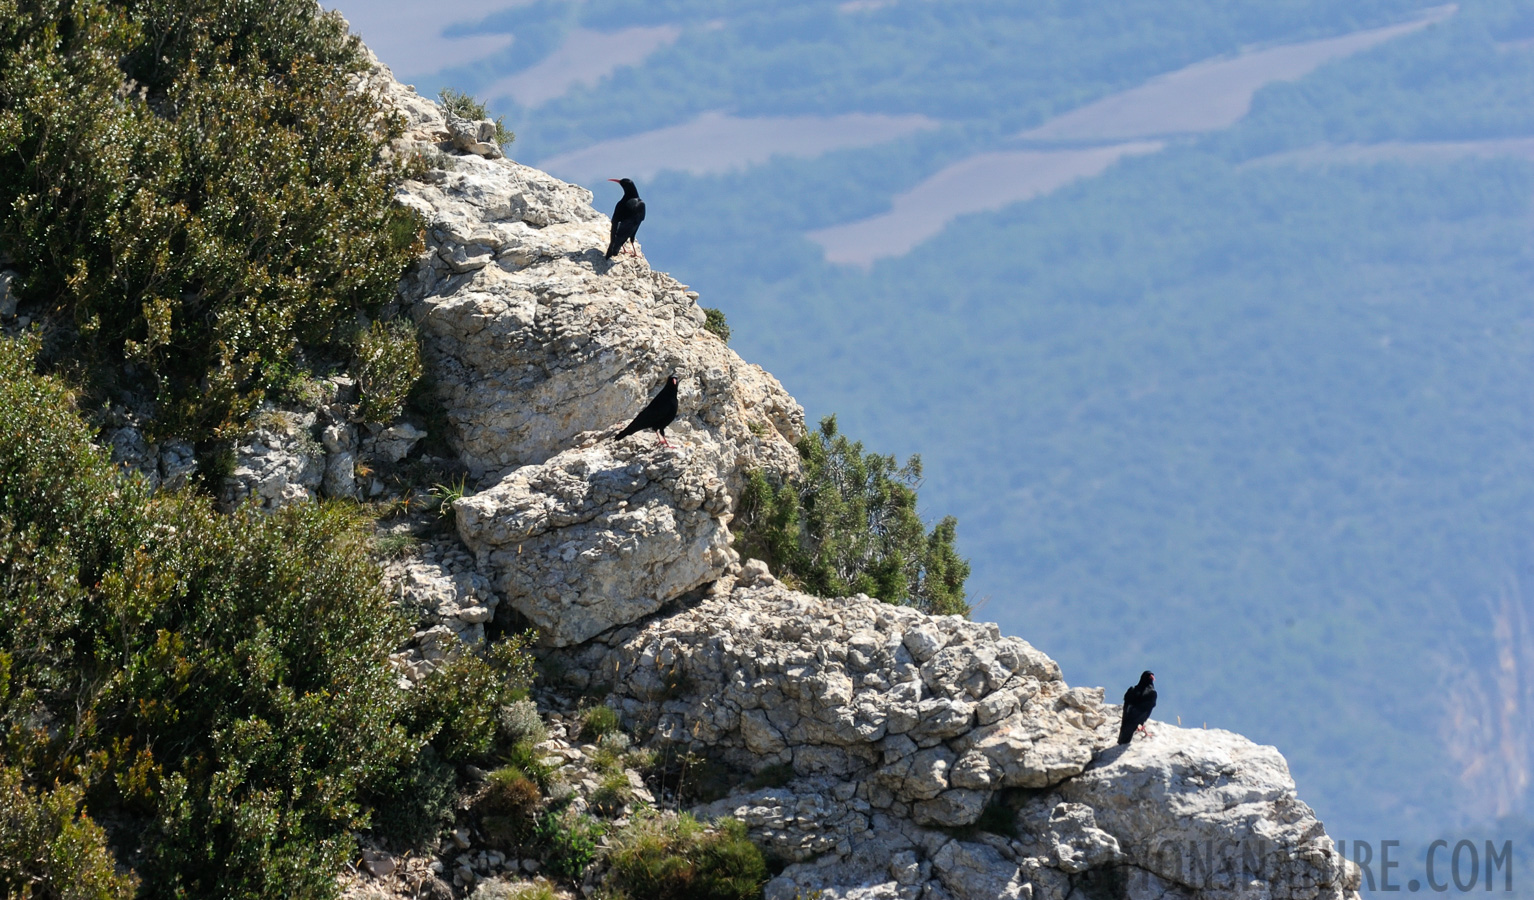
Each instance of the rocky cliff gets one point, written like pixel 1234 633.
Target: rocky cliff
pixel 916 756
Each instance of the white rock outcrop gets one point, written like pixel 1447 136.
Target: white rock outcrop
pixel 534 339
pixel 930 715
pixel 895 724
pixel 601 536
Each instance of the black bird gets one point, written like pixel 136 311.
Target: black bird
pixel 1138 703
pixel 660 413
pixel 626 217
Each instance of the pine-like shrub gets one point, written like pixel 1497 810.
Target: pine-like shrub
pixel 849 525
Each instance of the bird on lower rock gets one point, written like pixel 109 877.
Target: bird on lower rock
pixel 1138 703
pixel 626 218
pixel 660 413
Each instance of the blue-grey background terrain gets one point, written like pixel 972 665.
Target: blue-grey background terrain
pixel 1212 322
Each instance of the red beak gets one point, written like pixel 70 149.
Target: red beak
pixel 614 180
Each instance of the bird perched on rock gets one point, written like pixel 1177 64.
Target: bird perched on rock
pixel 626 217
pixel 1138 703
pixel 660 413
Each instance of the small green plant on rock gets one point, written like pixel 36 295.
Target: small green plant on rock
pixel 597 722
pixel 525 758
pixel 716 324
pixel 387 365
pixel 664 858
pixel 464 106
pixel 612 795
pixel 569 841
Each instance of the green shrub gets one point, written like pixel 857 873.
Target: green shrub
pixel 663 858
pixel 460 704
pixel 414 805
pixel 47 843
pixel 597 722
pixel 194 189
pixel 465 106
pixel 612 794
pixel 222 683
pixel 387 365
pixel 569 840
pixel 716 324
pixel 508 808
pixel 521 723
pixel 849 525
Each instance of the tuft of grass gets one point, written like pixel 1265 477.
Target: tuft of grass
pixel 464 106
pixel 508 808
pixel 665 858
pixel 499 889
pixel 525 758
pixel 597 722
pixel 396 544
pixel 446 494
pixel 612 794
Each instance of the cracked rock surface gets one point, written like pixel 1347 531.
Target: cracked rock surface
pixel 601 536
pixel 534 339
pixel 900 730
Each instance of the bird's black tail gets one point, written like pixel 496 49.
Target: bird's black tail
pixel 633 427
pixel 1126 731
pixel 612 248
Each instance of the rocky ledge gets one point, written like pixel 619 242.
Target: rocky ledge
pixel 899 733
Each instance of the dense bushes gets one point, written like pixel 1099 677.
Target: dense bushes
pixel 192 186
pixel 849 525
pixel 46 845
pixel 220 683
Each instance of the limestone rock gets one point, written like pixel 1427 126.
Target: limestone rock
pixel 448 597
pixel 601 536
pixel 276 463
pixel 1169 799
pixel 832 687
pixel 533 338
pixel 474 136
pixel 877 709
